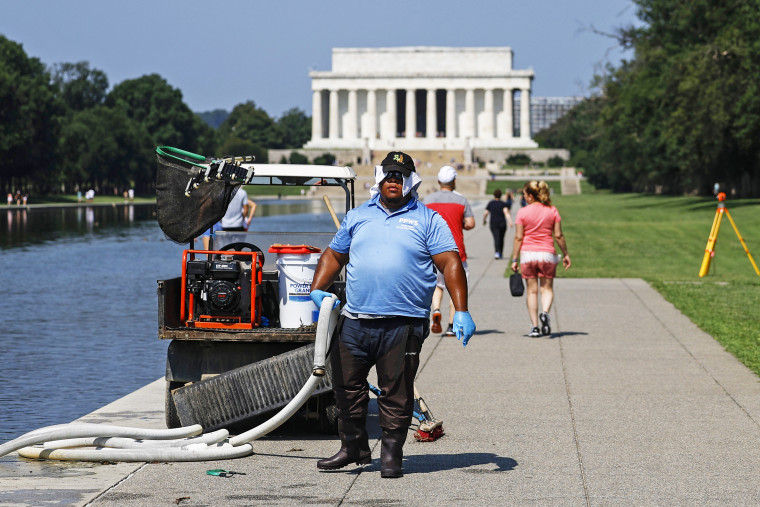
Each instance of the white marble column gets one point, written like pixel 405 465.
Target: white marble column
pixel 390 115
pixel 431 117
pixel 469 113
pixel 525 114
pixel 411 114
pixel 488 114
pixel 334 120
pixel 371 115
pixel 351 119
pixel 316 115
pixel 451 114
pixel 505 126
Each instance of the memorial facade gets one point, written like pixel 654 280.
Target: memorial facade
pixel 421 98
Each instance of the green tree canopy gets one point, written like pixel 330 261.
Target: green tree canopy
pixel 79 86
pixel 159 108
pixel 251 124
pixel 29 109
pixel 102 147
pixel 684 113
pixel 294 128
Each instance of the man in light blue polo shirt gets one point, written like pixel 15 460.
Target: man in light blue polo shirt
pixel 391 246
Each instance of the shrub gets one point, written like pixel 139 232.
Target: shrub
pixel 518 159
pixel 325 159
pixel 298 158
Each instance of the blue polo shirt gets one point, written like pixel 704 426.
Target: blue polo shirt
pixel 390 270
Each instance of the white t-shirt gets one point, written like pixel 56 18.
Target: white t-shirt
pixel 234 215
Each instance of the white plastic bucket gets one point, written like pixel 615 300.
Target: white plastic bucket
pixel 296 273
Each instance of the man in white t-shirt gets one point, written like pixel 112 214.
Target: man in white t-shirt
pixel 239 212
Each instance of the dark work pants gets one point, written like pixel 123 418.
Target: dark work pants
pixel 498 232
pixel 393 346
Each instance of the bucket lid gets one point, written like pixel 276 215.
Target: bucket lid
pixel 293 249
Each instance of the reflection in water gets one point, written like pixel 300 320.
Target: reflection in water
pixel 78 305
pixel 40 225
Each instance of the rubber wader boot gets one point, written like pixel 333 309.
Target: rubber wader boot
pixel 391 453
pixel 354 446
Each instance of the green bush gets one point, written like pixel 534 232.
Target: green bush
pixel 298 158
pixel 555 161
pixel 325 159
pixel 519 159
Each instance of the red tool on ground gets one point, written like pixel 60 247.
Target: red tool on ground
pixel 429 428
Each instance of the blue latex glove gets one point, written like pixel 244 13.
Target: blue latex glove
pixel 318 295
pixel 463 326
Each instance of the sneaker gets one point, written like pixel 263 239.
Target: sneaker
pixel 497 255
pixel 534 333
pixel 545 328
pixel 449 331
pixel 436 327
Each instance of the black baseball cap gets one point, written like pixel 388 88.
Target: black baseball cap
pixel 401 160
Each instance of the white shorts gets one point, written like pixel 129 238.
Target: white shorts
pixel 439 280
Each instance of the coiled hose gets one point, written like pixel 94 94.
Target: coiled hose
pixel 118 443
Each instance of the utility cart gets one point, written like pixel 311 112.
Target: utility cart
pixel 238 315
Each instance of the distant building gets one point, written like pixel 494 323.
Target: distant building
pixel 420 98
pixel 544 111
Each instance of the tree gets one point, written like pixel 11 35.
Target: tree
pixel 214 118
pixel 250 124
pixel 159 108
pixel 79 86
pixel 29 111
pixel 295 128
pixel 102 147
pixel 685 112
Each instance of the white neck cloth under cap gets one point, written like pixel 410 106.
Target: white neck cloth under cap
pixel 411 183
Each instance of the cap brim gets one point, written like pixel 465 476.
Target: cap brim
pixel 403 170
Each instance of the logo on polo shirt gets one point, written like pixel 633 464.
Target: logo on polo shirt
pixel 407 223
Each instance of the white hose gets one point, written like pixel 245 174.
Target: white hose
pixel 117 443
pixel 325 327
pixel 198 452
pixel 128 443
pixel 80 430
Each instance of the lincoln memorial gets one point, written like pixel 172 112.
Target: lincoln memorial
pixel 421 98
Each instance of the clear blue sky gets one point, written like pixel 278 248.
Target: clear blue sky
pixel 224 52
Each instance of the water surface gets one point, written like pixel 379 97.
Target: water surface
pixel 78 305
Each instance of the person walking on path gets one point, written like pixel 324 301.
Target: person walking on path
pixel 500 216
pixel 456 211
pixel 537 227
pixel 239 212
pixel 389 246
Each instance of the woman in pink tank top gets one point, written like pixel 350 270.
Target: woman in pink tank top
pixel 537 227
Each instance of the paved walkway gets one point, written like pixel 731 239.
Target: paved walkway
pixel 627 403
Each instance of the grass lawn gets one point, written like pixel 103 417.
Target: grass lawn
pixel 662 240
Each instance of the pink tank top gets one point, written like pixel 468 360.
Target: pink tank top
pixel 538 221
